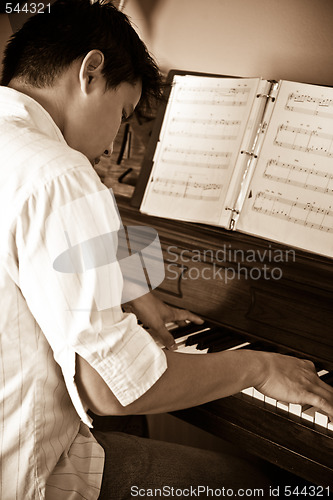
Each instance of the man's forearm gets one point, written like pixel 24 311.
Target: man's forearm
pixel 189 380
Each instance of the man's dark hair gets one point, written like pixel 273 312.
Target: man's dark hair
pixel 48 43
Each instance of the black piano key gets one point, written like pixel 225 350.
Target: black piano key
pixel 261 346
pixel 328 378
pixel 215 338
pixel 227 343
pixel 194 339
pixel 207 338
pixel 181 331
pixel 217 335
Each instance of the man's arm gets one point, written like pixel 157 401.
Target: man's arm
pixel 192 379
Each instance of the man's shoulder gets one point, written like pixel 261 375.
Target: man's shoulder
pixel 33 165
pixel 30 155
pixel 29 136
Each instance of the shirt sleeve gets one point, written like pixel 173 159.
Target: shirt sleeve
pixel 66 238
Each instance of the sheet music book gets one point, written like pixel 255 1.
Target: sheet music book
pixel 246 154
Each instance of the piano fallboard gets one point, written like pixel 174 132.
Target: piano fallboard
pixel 237 281
pixel 299 447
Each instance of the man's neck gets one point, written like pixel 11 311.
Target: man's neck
pixel 47 97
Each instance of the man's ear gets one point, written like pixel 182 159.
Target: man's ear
pixel 91 70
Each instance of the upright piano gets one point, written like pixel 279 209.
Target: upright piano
pixel 241 286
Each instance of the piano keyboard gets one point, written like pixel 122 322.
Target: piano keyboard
pixel 194 339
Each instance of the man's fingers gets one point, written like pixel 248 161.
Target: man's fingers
pixel 182 316
pixel 324 395
pixel 163 336
pixel 320 395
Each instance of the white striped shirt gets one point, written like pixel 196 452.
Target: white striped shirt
pixel 46 448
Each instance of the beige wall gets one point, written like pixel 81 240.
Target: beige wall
pixel 289 39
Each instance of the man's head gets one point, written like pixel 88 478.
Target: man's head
pixel 86 65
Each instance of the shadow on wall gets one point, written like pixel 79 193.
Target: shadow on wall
pixel 148 8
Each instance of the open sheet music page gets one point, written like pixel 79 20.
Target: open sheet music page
pixel 290 199
pixel 204 124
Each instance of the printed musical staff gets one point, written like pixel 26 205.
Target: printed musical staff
pixel 204 128
pixel 195 158
pixel 308 140
pixel 309 178
pixel 203 135
pixel 204 121
pixel 309 105
pixel 213 95
pixel 308 214
pixel 187 187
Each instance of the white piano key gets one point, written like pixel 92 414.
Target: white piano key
pixel 181 340
pixel 248 391
pixel 258 395
pixel 171 326
pixel 295 409
pixel 191 349
pixel 270 401
pixel 239 346
pixel 308 414
pixel 282 405
pixel 330 426
pixel 321 418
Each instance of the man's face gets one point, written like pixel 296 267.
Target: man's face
pixel 97 120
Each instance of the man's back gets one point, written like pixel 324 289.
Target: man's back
pixel 38 420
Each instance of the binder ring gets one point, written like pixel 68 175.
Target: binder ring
pixel 249 153
pixel 268 96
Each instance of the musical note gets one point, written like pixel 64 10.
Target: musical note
pixel 204 121
pixel 208 128
pixel 203 135
pixel 195 158
pixel 308 214
pixel 187 187
pixel 213 95
pixel 308 140
pixel 300 176
pixel 306 104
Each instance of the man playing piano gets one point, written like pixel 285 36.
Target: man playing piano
pixel 70 76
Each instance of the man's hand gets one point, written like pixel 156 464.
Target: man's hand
pixel 154 314
pixel 294 380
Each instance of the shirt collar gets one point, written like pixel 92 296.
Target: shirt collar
pixel 15 103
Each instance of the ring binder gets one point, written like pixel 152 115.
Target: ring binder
pixel 232 210
pixel 268 96
pixel 250 153
pixel 233 219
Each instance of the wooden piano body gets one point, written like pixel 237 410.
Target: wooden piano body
pixel 260 289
